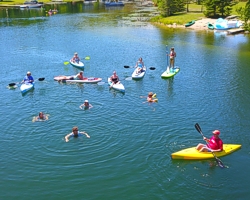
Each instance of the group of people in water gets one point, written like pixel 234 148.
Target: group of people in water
pixel 214 144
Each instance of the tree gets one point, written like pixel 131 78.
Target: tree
pixel 216 8
pixel 170 7
pixel 245 15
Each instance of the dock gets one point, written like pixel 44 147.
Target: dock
pixel 235 31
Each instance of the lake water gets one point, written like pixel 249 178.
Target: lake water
pixel 128 154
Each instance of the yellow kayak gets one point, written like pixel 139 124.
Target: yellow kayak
pixel 193 154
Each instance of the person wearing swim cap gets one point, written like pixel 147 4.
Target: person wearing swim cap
pixel 213 144
pixel 86 105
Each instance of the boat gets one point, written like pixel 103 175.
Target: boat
pixel 193 154
pixel 63 77
pixel 210 26
pixel 26 86
pixel 114 3
pixel 78 65
pixel 190 23
pixel 170 72
pixel 32 4
pixel 86 80
pixel 135 75
pixel 118 86
pixel 223 24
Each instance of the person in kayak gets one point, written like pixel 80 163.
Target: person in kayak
pixel 28 78
pixel 75 58
pixel 151 97
pixel 79 76
pixel 41 117
pixel 172 56
pixel 213 144
pixel 114 78
pixel 139 65
pixel 86 105
pixel 75 133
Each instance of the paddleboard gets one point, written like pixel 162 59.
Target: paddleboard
pixel 135 75
pixel 193 154
pixel 117 86
pixel 79 65
pixel 86 80
pixel 25 87
pixel 170 72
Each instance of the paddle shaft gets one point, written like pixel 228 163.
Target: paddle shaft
pixel 198 128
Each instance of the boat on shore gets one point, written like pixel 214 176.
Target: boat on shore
pixel 114 3
pixel 190 23
pixel 32 4
pixel 223 24
pixel 210 26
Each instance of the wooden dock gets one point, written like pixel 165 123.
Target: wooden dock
pixel 235 31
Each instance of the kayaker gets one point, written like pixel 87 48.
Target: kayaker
pixel 86 105
pixel 75 58
pixel 172 56
pixel 75 133
pixel 41 117
pixel 213 144
pixel 151 97
pixel 28 78
pixel 114 78
pixel 79 76
pixel 139 65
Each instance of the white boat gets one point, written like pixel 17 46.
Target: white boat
pixel 114 3
pixel 223 24
pixel 26 86
pixel 140 75
pixel 118 86
pixel 32 4
pixel 78 65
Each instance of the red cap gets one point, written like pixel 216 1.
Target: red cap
pixel 216 132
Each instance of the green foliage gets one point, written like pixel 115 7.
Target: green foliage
pixel 215 8
pixel 170 7
pixel 244 13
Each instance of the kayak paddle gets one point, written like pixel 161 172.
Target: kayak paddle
pixel 151 68
pixel 219 162
pixel 86 58
pixel 13 84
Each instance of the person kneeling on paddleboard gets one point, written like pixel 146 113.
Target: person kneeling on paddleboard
pixel 139 65
pixel 114 78
pixel 213 144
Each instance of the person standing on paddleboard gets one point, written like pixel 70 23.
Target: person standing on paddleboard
pixel 75 58
pixel 172 56
pixel 213 144
pixel 75 133
pixel 28 78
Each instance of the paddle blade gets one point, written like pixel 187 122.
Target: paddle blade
pixel 128 78
pixel 100 83
pixel 152 68
pixel 219 162
pixel 41 79
pixel 87 58
pixel 126 66
pixel 12 84
pixel 66 63
pixel 198 128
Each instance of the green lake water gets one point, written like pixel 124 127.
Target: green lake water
pixel 128 154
